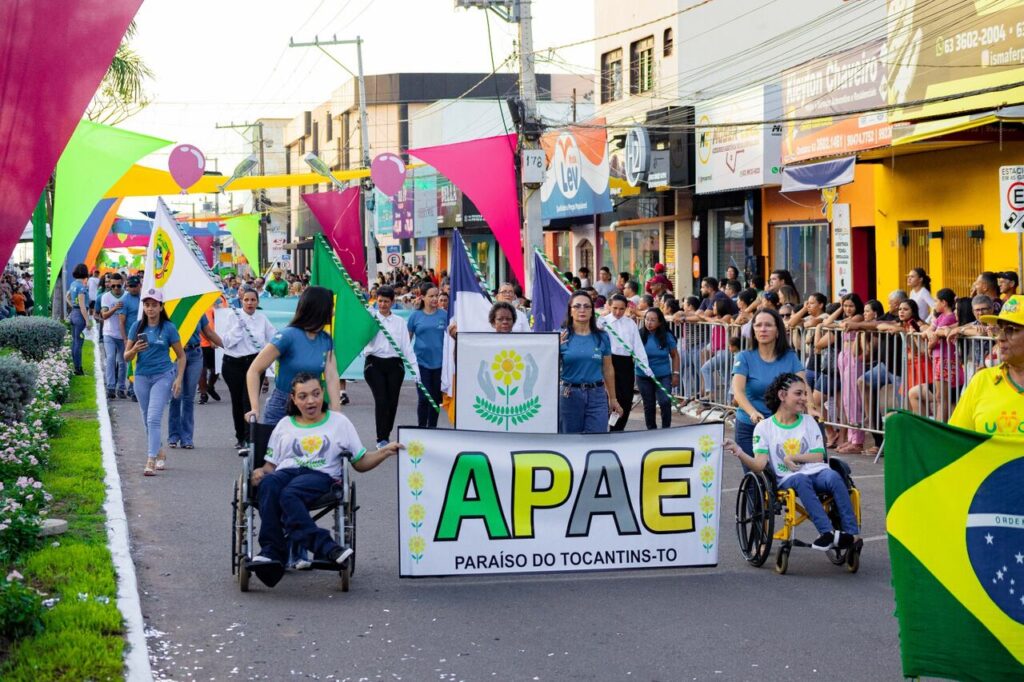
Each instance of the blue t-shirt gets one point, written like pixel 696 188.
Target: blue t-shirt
pixel 429 331
pixel 203 324
pixel 74 290
pixel 156 359
pixel 299 354
pixel 129 310
pixel 583 358
pixel 760 375
pixel 660 359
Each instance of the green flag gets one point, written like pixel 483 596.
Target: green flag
pixel 245 229
pixel 96 157
pixel 955 517
pixel 353 325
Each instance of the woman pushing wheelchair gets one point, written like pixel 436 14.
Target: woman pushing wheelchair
pixel 790 444
pixel 304 458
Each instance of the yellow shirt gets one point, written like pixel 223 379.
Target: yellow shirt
pixel 991 404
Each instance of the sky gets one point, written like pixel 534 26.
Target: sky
pixel 223 61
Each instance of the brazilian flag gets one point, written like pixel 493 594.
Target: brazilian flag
pixel 955 516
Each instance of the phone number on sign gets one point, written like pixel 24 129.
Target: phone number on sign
pixel 970 40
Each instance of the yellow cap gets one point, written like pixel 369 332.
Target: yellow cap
pixel 1012 312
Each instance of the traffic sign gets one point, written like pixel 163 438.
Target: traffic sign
pixel 394 259
pixel 1011 198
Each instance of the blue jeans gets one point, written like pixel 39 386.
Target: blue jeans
pixel 583 410
pixel 650 393
pixel 879 376
pixel 426 415
pixel 77 339
pixel 116 368
pixel 181 420
pixel 154 392
pixel 719 362
pixel 808 486
pixel 689 371
pixel 284 496
pixel 276 407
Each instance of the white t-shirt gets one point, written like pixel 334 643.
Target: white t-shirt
pixel 925 303
pixel 94 288
pixel 316 446
pixel 111 325
pixel 777 440
pixel 606 289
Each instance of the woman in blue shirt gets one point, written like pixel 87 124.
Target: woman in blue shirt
pixel 753 371
pixel 302 346
pixel 663 357
pixel 150 341
pixel 427 327
pixel 586 351
pixel 78 300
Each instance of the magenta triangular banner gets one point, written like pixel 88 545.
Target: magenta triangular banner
pixel 53 54
pixel 485 171
pixel 338 215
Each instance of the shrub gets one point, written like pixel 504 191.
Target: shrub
pixel 17 387
pixel 33 337
pixel 20 608
pixel 24 450
pixel 45 415
pixel 53 378
pixel 21 516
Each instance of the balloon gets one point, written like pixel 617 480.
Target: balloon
pixel 186 165
pixel 388 173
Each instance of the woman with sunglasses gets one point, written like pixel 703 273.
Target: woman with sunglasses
pixel 587 373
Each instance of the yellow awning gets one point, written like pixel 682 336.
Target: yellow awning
pixel 926 130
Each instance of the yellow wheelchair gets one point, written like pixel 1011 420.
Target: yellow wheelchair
pixel 759 500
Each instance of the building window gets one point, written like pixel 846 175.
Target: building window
pixel 316 138
pixel 667 43
pixel 611 76
pixel 641 66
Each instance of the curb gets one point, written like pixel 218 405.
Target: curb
pixel 136 659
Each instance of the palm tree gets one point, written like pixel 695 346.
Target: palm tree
pixel 121 94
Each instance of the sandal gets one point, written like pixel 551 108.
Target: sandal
pixel 161 461
pixel 850 449
pixel 188 447
pixel 150 469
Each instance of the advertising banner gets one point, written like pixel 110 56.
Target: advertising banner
pixel 276 239
pixel 449 203
pixel 507 382
pixel 473 503
pixel 829 87
pixel 404 210
pixel 577 173
pixel 944 47
pixel 425 203
pixel 731 156
pixel 383 213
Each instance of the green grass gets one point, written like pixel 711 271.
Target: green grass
pixel 83 638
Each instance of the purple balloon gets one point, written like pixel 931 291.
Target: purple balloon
pixel 388 173
pixel 186 165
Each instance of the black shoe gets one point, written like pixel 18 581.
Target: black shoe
pixel 344 398
pixel 339 554
pixel 240 445
pixel 266 569
pixel 79 372
pixel 110 394
pixel 134 398
pixel 845 541
pixel 203 399
pixel 824 542
pixel 213 393
pixel 123 395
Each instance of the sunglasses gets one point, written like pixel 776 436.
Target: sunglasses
pixel 1010 331
pixel 582 306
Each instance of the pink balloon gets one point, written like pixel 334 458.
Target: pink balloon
pixel 388 173
pixel 186 165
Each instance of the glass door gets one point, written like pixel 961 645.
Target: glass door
pixel 804 251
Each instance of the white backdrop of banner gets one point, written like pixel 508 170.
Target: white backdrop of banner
pixel 472 503
pixel 507 382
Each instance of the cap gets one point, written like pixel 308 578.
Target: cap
pixel 1009 275
pixel 154 294
pixel 659 268
pixel 133 281
pixel 1012 312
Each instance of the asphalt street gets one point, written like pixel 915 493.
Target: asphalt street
pixel 732 622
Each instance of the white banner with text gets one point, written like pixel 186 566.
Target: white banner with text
pixel 475 503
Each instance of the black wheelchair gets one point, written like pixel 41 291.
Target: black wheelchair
pixel 759 500
pixel 339 501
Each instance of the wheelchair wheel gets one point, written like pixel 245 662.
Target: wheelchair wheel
pixel 240 535
pixel 853 558
pixel 782 560
pixel 350 526
pixel 755 518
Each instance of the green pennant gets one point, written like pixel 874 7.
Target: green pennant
pixel 245 229
pixel 95 158
pixel 353 325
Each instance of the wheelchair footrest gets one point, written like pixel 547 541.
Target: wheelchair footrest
pixel 799 543
pixel 324 565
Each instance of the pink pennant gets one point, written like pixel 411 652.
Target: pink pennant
pixel 338 215
pixel 485 171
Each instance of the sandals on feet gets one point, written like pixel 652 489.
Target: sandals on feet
pixel 161 461
pixel 150 469
pixel 850 449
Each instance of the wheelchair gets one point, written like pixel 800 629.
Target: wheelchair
pixel 759 500
pixel 339 501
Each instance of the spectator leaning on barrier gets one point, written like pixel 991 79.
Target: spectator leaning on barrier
pixel 1008 283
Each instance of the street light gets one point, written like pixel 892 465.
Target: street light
pixel 320 168
pixel 242 169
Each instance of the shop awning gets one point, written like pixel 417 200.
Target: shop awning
pixel 926 130
pixel 820 175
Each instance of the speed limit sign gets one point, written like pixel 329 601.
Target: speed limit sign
pixel 394 260
pixel 1011 198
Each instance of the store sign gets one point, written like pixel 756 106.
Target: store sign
pixel 487 503
pixel 830 87
pixel 383 213
pixel 660 168
pixel 1011 198
pixel 404 210
pixel 425 203
pixel 949 46
pixel 449 203
pixel 638 155
pixel 842 251
pixel 577 176
pixel 734 149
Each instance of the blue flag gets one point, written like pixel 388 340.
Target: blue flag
pixel 470 304
pixel 550 298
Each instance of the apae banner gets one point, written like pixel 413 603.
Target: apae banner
pixel 472 503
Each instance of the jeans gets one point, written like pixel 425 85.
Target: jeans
pixel 651 394
pixel 426 415
pixel 878 376
pixel 689 371
pixel 116 368
pixel 283 497
pixel 154 392
pixel 807 487
pixel 181 421
pixel 582 410
pixel 745 438
pixel 719 362
pixel 384 376
pixel 276 407
pixel 77 338
pixel 624 369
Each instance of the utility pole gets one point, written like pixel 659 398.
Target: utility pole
pixel 40 277
pixel 257 202
pixel 364 139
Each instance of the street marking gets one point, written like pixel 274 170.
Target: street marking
pixel 876 538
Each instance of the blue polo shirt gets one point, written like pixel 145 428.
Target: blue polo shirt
pixel 583 357
pixel 299 353
pixel 129 310
pixel 429 331
pixel 156 359
pixel 659 359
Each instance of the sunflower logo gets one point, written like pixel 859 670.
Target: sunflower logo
pixel 416 450
pixel 791 447
pixel 507 367
pixel 507 370
pixel 417 513
pixel 707 476
pixel 707 538
pixel 706 444
pixel 310 444
pixel 707 504
pixel 415 482
pixel 417 545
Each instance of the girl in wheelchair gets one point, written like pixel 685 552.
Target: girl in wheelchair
pixel 790 445
pixel 303 459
